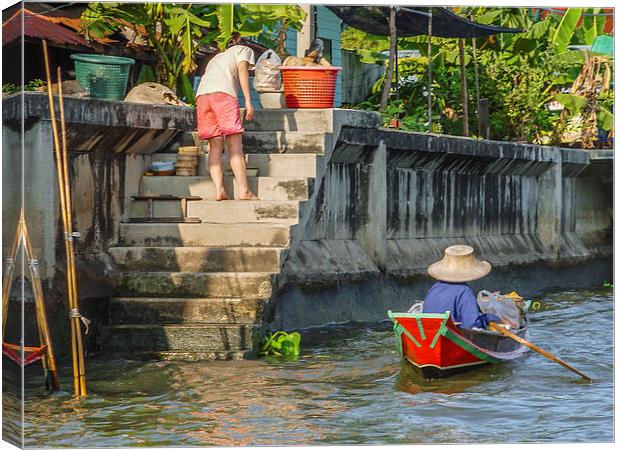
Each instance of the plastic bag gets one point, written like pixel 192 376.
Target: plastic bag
pixel 267 75
pixel 504 306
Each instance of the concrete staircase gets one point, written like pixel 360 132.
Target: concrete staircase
pixel 195 291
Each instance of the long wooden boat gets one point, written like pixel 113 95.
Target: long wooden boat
pixel 433 344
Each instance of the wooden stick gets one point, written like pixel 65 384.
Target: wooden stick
pixel 49 362
pixel 71 260
pixel 61 193
pixel 7 279
pixel 494 326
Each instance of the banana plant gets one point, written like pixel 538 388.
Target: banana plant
pixel 176 30
pixel 562 35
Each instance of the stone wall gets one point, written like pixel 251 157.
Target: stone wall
pixel 389 202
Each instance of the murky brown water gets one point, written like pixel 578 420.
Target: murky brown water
pixel 347 388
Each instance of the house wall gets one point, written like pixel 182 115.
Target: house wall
pixel 329 27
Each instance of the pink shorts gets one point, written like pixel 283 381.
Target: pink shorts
pixel 217 114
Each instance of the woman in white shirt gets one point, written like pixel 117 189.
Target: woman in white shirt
pixel 218 115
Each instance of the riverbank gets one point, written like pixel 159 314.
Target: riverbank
pixel 350 216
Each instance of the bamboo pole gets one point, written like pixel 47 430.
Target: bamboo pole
pixel 75 315
pixel 75 329
pixel 45 338
pixel 7 279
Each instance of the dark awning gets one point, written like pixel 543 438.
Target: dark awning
pixel 414 22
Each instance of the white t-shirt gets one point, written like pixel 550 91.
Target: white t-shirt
pixel 221 74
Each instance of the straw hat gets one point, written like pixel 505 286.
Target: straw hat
pixel 459 265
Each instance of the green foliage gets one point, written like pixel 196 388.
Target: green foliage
pixel 176 30
pixel 564 32
pixel 607 284
pixel 520 74
pixel 32 85
pixel 146 74
pixel 10 88
pixel 281 343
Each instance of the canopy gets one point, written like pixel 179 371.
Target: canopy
pixel 414 22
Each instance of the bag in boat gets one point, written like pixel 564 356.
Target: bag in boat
pixel 267 76
pixel 507 307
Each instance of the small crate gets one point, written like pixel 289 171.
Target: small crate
pixel 189 151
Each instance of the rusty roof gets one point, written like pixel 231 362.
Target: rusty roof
pixel 36 26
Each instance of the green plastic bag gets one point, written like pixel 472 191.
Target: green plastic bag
pixel 281 343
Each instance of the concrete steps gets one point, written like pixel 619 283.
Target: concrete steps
pixel 128 310
pixel 196 284
pixel 197 259
pixel 225 212
pixel 267 188
pixel 182 338
pixel 197 291
pixel 204 234
pixel 279 165
pixel 286 142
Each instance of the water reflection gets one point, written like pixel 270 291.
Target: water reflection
pixel 346 388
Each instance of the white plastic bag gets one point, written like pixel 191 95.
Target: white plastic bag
pixel 267 75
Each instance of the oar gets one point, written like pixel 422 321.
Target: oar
pixel 494 326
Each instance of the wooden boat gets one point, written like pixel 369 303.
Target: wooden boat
pixel 433 344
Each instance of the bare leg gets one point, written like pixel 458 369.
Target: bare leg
pixel 216 150
pixel 237 163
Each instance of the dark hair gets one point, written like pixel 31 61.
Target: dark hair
pixel 236 39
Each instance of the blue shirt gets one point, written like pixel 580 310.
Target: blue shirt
pixel 459 299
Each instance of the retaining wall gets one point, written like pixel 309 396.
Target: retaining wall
pixel 389 202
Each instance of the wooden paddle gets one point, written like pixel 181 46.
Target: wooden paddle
pixel 494 326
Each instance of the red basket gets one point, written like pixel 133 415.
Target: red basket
pixel 309 87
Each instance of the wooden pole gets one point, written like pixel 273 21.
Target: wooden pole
pixel 74 313
pixel 494 326
pixel 71 287
pixel 476 80
pixel 387 84
pixel 44 333
pixel 7 279
pixel 483 118
pixel 429 97
pixel 464 88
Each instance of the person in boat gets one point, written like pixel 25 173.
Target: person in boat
pixel 452 293
pixel 218 115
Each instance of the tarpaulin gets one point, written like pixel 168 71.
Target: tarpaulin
pixel 414 22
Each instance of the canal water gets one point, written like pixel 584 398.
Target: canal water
pixel 347 387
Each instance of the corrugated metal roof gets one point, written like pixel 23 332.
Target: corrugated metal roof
pixel 36 26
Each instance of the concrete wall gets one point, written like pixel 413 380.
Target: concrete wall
pixel 389 202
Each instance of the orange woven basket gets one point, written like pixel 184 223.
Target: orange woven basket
pixel 309 87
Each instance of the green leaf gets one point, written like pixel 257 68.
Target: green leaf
pixel 562 35
pixel 574 103
pixel 187 91
pixel 225 16
pixel 605 118
pixel 489 16
pixel 146 74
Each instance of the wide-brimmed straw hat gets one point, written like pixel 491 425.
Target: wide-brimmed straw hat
pixel 459 265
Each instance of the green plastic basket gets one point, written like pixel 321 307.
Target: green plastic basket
pixel 603 44
pixel 103 76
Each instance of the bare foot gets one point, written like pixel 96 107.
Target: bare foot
pixel 249 195
pixel 221 196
